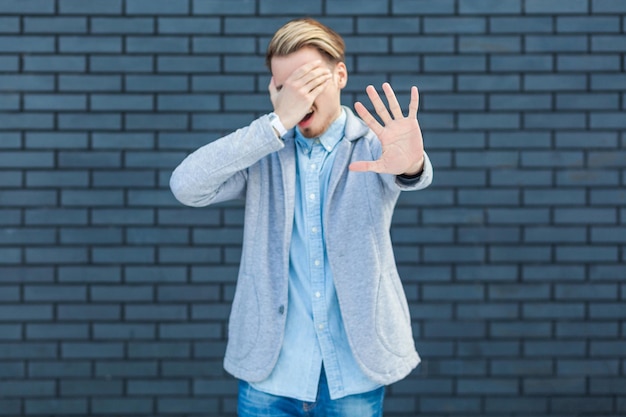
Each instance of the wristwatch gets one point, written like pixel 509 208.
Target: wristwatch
pixel 277 124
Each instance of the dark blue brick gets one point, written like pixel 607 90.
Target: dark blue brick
pixel 122 25
pixel 422 7
pixel 57 179
pixel 585 215
pixel 122 140
pixel 158 45
pixel 26 388
pixel 217 7
pixel 57 331
pixel 447 25
pixel 10 294
pixel 27 350
pixel 57 102
pixel 56 140
pixel 158 83
pixel 521 102
pixel 454 63
pixel 126 368
pixel 277 7
pixel 58 369
pixel 10 102
pixel 521 63
pixel 191 405
pixel 607 43
pixel 586 329
pixel 55 25
pixel 555 6
pixel 554 348
pixel 156 7
pixel 422 44
pixel 596 24
pixel 54 293
pixel 504 404
pixel 121 63
pixel 521 24
pixel 188 25
pixel 216 44
pixel 121 406
pixel 25 82
pixel 58 406
pixel 549 234
pixel 90 8
pixel 556 43
pixel 188 64
pixel 124 331
pixel 153 350
pixel 92 350
pixel 26 44
pixel 587 101
pixel 489 6
pixel 563 82
pixel 151 121
pixel 90 387
pixel 552 273
pixel 12 370
pixel 128 179
pixel 552 310
pixel 92 44
pixel 608 6
pixel 387 25
pixel 123 254
pixel 555 385
pixel 9 24
pixel 89 83
pixel 90 312
pixel 23 198
pixel 489 44
pixel 60 216
pixel 587 253
pixel 9 63
pixel 119 102
pixel 589 404
pixel 27 7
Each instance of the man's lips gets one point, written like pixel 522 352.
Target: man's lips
pixel 306 118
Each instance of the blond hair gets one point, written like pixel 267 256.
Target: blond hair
pixel 300 33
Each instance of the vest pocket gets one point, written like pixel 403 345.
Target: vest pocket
pixel 392 320
pixel 243 326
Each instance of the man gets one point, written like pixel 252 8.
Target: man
pixel 319 322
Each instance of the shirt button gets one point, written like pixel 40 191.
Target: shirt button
pixel 313 166
pixel 317 262
pixel 281 310
pixel 318 294
pixel 317 141
pixel 312 196
pixel 314 229
pixel 320 326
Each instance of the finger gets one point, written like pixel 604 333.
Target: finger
pixel 305 69
pixel 316 91
pixel 367 117
pixel 414 104
pixel 317 79
pixel 379 106
pixel 394 106
pixel 272 87
pixel 364 166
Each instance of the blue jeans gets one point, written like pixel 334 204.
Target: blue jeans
pixel 254 403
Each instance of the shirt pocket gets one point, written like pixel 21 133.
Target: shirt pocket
pixel 392 318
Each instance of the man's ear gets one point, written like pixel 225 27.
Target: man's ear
pixel 341 74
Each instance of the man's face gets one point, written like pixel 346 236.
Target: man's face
pixel 327 106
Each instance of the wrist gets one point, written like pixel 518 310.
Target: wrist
pixel 277 124
pixel 415 170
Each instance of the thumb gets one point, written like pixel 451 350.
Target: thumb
pixel 363 166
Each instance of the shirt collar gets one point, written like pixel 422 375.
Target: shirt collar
pixel 329 139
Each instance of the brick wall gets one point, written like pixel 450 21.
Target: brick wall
pixel 114 298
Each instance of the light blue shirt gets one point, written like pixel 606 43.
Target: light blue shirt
pixel 314 333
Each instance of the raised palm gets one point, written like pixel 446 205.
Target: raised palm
pixel 400 137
